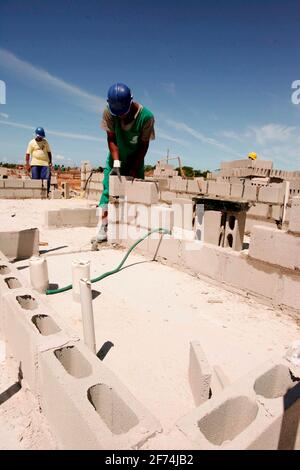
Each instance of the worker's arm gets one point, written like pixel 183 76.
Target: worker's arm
pixel 112 145
pixel 139 157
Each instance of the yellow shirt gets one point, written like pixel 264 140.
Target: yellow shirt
pixel 39 152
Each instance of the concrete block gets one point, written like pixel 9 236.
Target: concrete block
pixel 272 194
pixel 200 373
pixel 275 247
pixel 166 248
pixel 1 184
pixel 183 213
pixel 289 294
pixel 236 190
pixel 165 196
pixel 20 244
pixel 162 217
pixel 294 216
pixel 29 328
pixel 219 189
pixel 129 234
pixel 203 187
pixel 54 181
pixel 139 215
pixel 30 184
pixel 193 186
pixel 13 183
pixel 79 217
pixel 99 412
pixel 260 411
pixel 143 192
pixel 178 184
pixel 56 194
pixel 260 210
pixel 235 230
pixel 213 231
pixel 202 258
pixel 117 185
pixel 250 192
pixel 249 275
pixel 65 187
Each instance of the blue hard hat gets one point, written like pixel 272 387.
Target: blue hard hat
pixel 119 99
pixel 40 131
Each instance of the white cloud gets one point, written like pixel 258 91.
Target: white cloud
pixel 23 69
pixel 169 87
pixel 271 133
pixel 66 135
pixel 181 126
pixel 231 135
pixel 165 136
pixel 4 115
pixel 59 157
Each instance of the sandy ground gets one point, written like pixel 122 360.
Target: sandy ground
pixel 146 316
pixel 22 426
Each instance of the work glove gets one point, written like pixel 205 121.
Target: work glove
pixel 116 168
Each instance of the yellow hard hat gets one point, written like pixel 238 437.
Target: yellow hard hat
pixel 252 155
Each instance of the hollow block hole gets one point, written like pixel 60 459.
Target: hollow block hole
pixel 45 324
pixel 73 362
pixel 13 282
pixel 4 269
pixel 27 302
pixel 115 413
pixel 228 420
pixel 276 382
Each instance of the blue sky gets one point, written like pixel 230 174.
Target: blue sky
pixel 216 74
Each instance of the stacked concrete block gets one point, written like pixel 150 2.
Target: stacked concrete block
pixel 56 193
pixel 20 244
pixel 259 412
pixel 275 246
pixel 250 192
pixel 99 412
pixel 213 229
pixel 117 185
pixel 260 210
pixel 183 213
pixel 234 230
pixel 3 171
pixel 294 217
pixel 193 186
pixel 161 217
pixel 65 187
pixel 143 192
pixel 79 217
pixel 236 190
pixel 200 374
pixel 178 184
pixel 274 194
pixel 166 196
pixel 219 189
pixel 166 248
pixel 13 183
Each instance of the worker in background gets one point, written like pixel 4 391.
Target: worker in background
pixel 129 127
pixel 41 158
pixel 252 156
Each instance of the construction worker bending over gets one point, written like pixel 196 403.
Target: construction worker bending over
pixel 129 127
pixel 41 157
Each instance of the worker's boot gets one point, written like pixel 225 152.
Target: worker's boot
pixel 102 234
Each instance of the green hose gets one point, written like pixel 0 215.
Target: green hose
pixel 114 271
